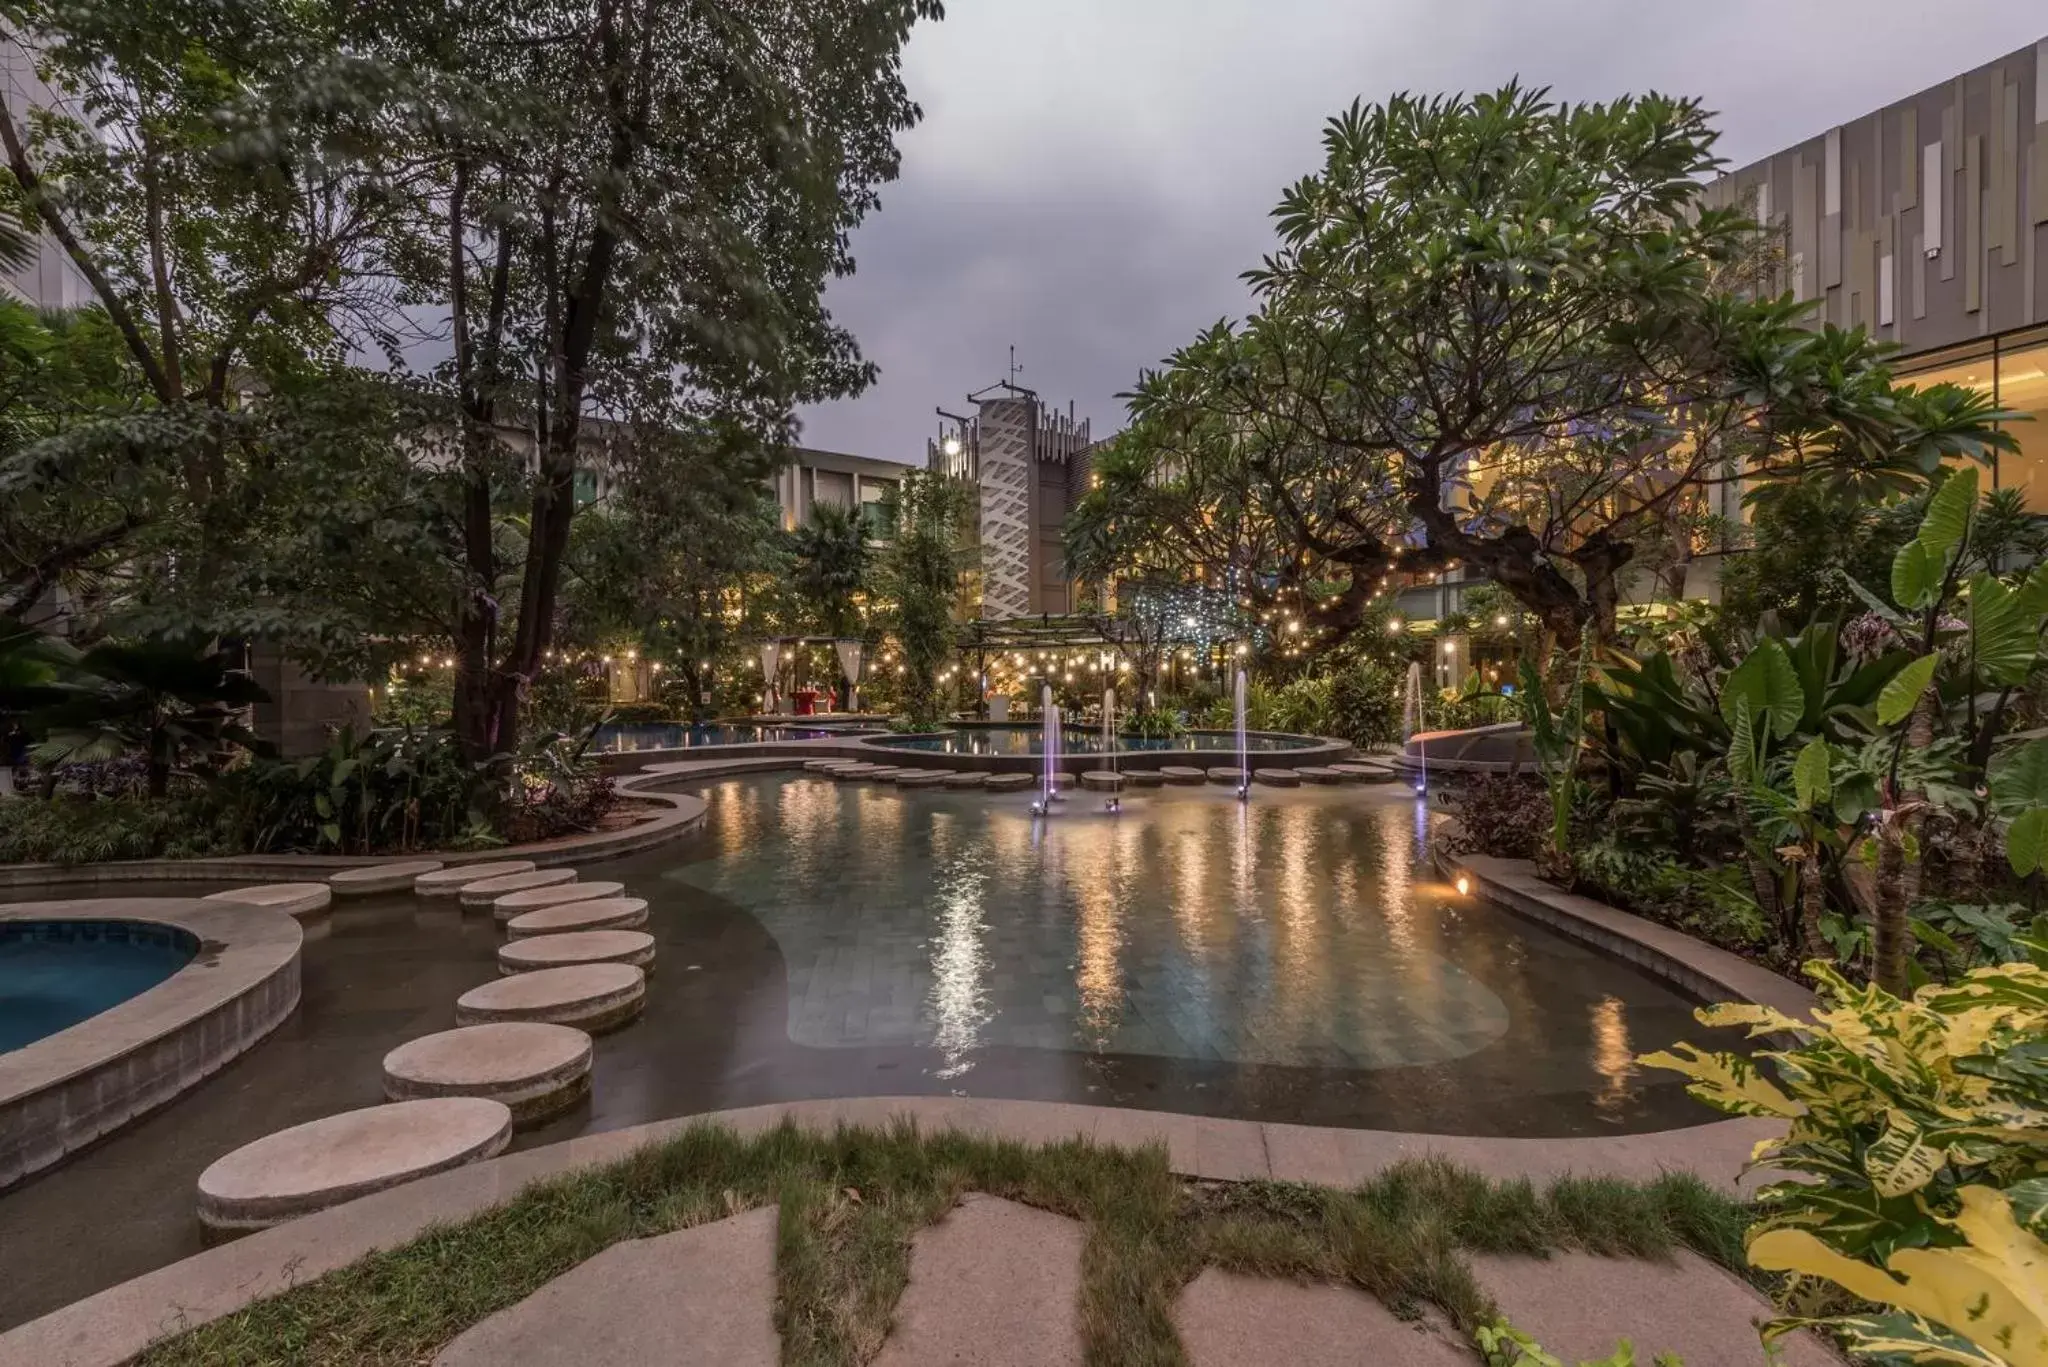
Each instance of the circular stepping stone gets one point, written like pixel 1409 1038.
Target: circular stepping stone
pixel 967 778
pixel 448 882
pixel 1181 773
pixel 1010 783
pixel 1065 781
pixel 296 900
pixel 371 879
pixel 1367 773
pixel 1102 781
pixel 1315 774
pixel 536 1069
pixel 484 891
pixel 1144 778
pixel 533 899
pixel 924 778
pixel 635 947
pixel 592 997
pixel 337 1158
pixel 853 771
pixel 819 766
pixel 606 913
pixel 1222 775
pixel 885 773
pixel 1277 778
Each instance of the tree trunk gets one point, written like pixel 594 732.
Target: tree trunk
pixel 1813 901
pixel 1898 866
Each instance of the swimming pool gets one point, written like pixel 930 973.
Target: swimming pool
pixel 1292 959
pixel 1030 740
pixel 58 973
pixel 631 736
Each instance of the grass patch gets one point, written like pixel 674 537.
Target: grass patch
pixel 852 1201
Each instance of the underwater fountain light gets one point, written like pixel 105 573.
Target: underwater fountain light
pixel 1464 885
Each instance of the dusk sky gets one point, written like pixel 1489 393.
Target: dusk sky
pixel 1092 175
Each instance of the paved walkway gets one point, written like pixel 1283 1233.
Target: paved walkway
pixel 109 1328
pixel 997 1284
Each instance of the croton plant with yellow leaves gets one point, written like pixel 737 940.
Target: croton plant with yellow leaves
pixel 1917 1147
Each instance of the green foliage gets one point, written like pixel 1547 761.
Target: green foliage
pixel 1914 1129
pixel 70 830
pixel 919 574
pixel 1506 1346
pixel 830 554
pixel 163 698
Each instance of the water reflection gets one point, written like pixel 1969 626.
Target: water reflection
pixel 1613 1057
pixel 1282 931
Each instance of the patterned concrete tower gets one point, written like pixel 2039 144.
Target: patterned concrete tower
pixel 1028 465
pixel 1005 431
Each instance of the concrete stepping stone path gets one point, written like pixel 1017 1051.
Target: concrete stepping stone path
pixel 995 1284
pixel 635 947
pixel 1367 773
pixel 371 879
pixel 921 778
pixel 1225 1319
pixel 1010 783
pixel 967 778
pixel 1277 778
pixel 337 1158
pixel 296 900
pixel 533 899
pixel 704 1295
pixel 604 913
pixel 856 771
pixel 1102 781
pixel 537 1070
pixel 1144 778
pixel 1316 774
pixel 592 997
pixel 1223 774
pixel 484 891
pixel 1182 774
pixel 448 882
pixel 1576 1305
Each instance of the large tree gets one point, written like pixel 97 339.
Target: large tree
pixel 644 199
pixel 1497 331
pixel 224 180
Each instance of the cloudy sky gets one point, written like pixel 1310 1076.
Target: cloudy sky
pixel 1091 175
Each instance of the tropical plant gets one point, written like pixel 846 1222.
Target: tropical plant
pixel 830 554
pixel 919 575
pixel 162 698
pixel 1506 1346
pixel 1917 1136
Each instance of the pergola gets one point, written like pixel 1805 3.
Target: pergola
pixel 848 649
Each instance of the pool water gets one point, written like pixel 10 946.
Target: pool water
pixel 634 736
pixel 1290 960
pixel 1030 740
pixel 54 974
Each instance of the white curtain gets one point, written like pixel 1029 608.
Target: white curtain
pixel 849 665
pixel 771 677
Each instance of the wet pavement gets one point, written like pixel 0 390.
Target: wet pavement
pixel 1293 962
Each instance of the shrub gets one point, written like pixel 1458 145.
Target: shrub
pixel 1365 705
pixel 1917 1131
pixel 1501 815
pixel 83 830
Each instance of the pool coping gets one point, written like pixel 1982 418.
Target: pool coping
pixel 66 1090
pixel 679 813
pixel 113 1326
pixel 1695 967
pixel 1324 751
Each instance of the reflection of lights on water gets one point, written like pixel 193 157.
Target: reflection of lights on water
pixel 959 999
pixel 1613 1057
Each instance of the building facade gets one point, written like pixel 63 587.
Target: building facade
pixel 1926 222
pixel 859 482
pixel 48 279
pixel 1029 465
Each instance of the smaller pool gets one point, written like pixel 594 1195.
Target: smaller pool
pixel 1030 740
pixel 679 736
pixel 58 973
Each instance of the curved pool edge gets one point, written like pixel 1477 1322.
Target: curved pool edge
pixel 1701 970
pixel 66 1090
pixel 114 1325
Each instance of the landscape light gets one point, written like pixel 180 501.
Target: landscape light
pixel 952 446
pixel 1464 885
